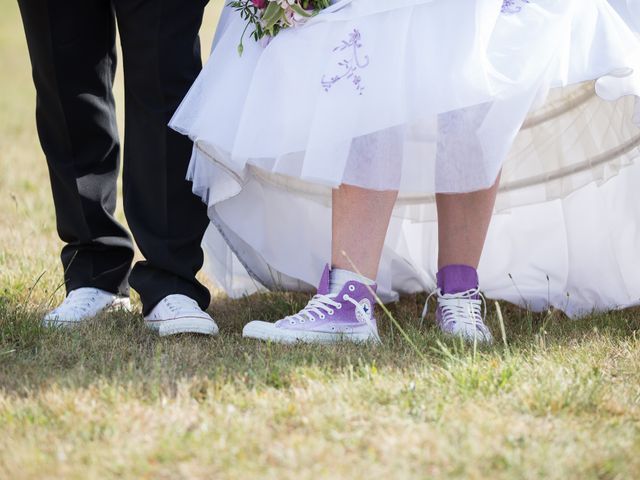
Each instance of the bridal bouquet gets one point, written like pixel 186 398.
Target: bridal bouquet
pixel 268 17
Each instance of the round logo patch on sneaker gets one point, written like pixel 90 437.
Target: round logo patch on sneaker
pixel 365 303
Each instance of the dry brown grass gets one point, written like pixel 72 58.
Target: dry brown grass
pixel 112 400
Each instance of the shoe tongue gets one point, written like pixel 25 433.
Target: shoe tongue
pixel 181 299
pixel 325 281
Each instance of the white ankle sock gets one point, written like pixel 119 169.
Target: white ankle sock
pixel 339 277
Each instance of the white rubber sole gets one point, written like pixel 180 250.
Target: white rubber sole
pixel 177 326
pixel 120 304
pixel 270 333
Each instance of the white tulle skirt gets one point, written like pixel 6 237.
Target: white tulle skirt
pixel 429 96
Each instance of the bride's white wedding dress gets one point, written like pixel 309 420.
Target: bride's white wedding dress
pixel 429 96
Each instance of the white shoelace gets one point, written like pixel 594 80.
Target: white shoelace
pixel 323 305
pixel 78 302
pixel 181 305
pixel 460 307
pixel 320 305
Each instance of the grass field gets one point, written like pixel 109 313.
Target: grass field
pixel 112 400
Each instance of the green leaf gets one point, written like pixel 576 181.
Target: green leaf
pixel 272 15
pixel 301 11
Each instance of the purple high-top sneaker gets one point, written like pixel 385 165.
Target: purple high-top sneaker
pixel 327 318
pixel 461 308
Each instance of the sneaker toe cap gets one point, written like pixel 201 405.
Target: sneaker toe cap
pixel 257 326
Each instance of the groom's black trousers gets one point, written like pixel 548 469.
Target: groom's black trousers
pixel 73 55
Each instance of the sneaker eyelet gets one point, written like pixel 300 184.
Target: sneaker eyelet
pixel 339 306
pixel 292 322
pixel 345 297
pixel 322 317
pixel 352 288
pixel 331 312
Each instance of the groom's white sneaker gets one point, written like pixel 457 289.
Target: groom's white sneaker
pixel 180 314
pixel 83 304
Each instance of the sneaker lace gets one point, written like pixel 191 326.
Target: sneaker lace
pixel 78 302
pixel 323 305
pixel 470 305
pixel 180 305
pixel 319 305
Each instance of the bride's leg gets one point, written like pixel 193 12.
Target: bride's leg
pixel 343 308
pixel 463 223
pixel 360 221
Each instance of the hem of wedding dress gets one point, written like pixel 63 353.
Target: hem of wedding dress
pixel 228 183
pixel 247 254
pixel 249 257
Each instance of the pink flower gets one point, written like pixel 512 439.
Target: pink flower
pixel 261 4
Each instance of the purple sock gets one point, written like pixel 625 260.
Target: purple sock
pixel 457 278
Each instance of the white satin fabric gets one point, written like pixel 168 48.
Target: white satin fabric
pixel 452 91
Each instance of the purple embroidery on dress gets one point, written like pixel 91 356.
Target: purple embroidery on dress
pixel 513 6
pixel 351 65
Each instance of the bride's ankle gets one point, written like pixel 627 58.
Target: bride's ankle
pixel 339 277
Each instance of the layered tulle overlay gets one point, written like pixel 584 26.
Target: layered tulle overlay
pixel 429 96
